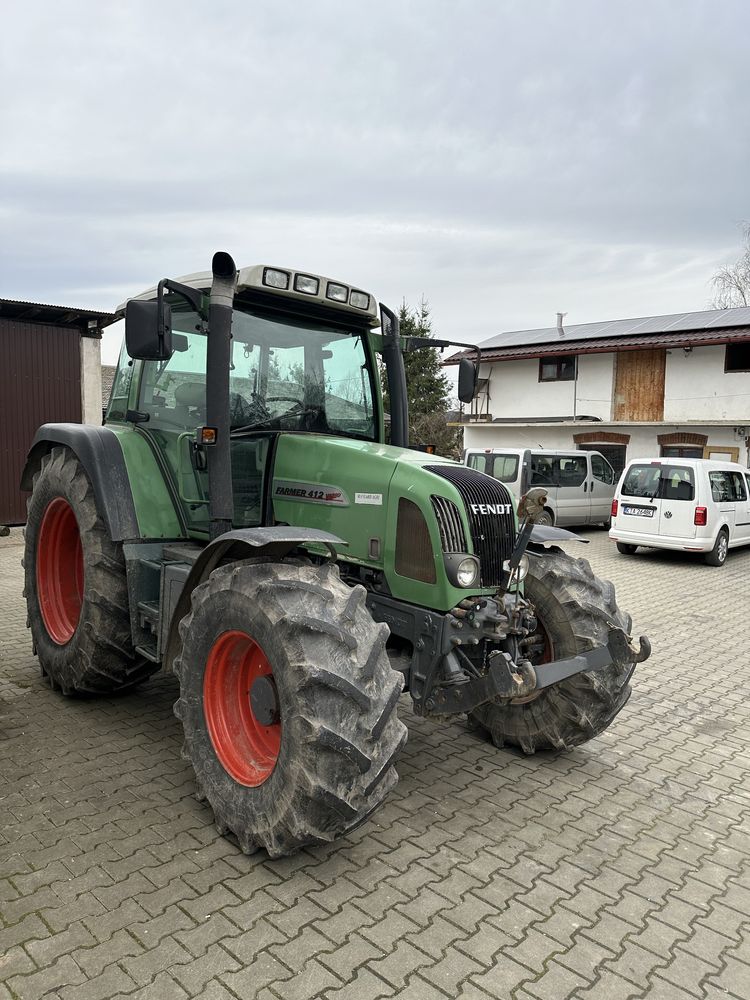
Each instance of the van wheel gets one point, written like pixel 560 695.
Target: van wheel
pixel 627 550
pixel 718 554
pixel 546 518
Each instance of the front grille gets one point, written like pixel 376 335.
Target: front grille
pixel 492 534
pixel 452 536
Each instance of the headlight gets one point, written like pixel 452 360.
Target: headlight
pixel 275 278
pixel 306 283
pixel 466 573
pixel 521 570
pixel 337 293
pixel 361 300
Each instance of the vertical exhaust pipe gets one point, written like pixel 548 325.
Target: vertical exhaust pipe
pixel 218 359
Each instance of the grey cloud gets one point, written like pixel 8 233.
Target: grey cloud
pixel 479 152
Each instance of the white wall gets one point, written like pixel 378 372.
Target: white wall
pixel 91 380
pixel 696 387
pixel 515 389
pixel 643 437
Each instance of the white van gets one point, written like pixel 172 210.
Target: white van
pixel 580 484
pixel 688 504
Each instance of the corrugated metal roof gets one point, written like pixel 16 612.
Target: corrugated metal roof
pixel 43 312
pixel 708 319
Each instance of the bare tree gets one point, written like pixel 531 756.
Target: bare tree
pixel 731 283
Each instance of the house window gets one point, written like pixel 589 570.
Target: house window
pixel 737 358
pixel 557 368
pixel 681 451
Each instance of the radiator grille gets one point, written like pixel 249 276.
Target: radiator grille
pixel 492 534
pixel 452 535
pixel 414 555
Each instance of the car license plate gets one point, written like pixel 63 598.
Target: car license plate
pixel 639 511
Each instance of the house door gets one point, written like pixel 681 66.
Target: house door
pixel 639 385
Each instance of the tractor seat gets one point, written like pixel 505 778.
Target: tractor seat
pixel 190 394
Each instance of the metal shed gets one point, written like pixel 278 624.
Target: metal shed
pixel 50 370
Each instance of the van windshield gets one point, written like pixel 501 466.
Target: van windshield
pixel 502 467
pixel 659 482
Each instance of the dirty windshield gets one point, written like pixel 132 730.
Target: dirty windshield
pixel 285 375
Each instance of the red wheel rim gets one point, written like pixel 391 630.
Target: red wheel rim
pixel 247 749
pixel 59 571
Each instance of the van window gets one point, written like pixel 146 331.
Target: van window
pixel 542 471
pixel 480 462
pixel 505 468
pixel 571 470
pixel 502 467
pixel 602 470
pixel 661 482
pixel 727 487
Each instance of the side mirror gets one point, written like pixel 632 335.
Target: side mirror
pixel 467 380
pixel 148 330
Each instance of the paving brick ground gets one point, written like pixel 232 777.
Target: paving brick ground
pixel 619 870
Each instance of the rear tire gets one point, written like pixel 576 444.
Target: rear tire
pixel 626 548
pixel 718 554
pixel 574 609
pixel 75 586
pixel 326 760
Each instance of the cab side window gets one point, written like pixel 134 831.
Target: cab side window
pixel 602 470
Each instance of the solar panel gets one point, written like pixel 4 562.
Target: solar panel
pixel 707 319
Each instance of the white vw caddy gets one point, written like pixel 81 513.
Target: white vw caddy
pixel 688 504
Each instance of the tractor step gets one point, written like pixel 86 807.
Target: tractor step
pixel 148 615
pixel 148 651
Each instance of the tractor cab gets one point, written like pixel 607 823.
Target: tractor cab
pixel 300 362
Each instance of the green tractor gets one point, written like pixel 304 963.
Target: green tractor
pixel 239 519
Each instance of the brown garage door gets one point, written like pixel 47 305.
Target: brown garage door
pixel 40 382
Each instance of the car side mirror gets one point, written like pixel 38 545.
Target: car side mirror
pixel 467 380
pixel 148 330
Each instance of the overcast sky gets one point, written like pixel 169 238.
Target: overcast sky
pixel 505 160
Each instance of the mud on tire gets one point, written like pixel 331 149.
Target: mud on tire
pixel 98 657
pixel 575 608
pixel 337 695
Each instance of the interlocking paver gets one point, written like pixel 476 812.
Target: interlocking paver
pixel 618 870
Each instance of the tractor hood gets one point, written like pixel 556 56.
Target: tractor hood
pixel 365 493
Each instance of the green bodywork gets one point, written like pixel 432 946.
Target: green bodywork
pixel 344 485
pixel 381 472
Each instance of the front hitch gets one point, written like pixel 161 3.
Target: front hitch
pixel 507 680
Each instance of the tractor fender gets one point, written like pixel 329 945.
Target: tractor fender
pixel 242 543
pixel 99 452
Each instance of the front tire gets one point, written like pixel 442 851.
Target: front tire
pixel 320 759
pixel 574 609
pixel 75 585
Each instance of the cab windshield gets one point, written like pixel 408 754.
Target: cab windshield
pixel 285 375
